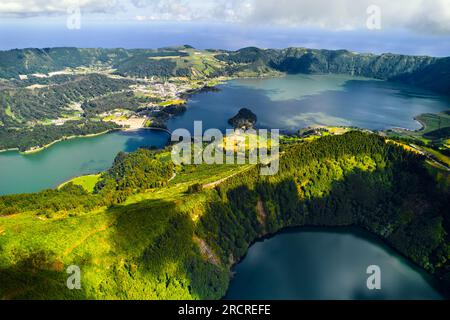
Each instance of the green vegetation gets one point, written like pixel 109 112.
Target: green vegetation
pixel 40 136
pixel 53 102
pixel 120 100
pixel 174 102
pixel 30 61
pixel 134 173
pixel 439 156
pixel 432 138
pixel 245 118
pixel 141 236
pixel 425 72
pixel 435 129
pixel 146 229
pixel 86 182
pixel 182 62
pixel 89 82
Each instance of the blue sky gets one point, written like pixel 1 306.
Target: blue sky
pixel 406 26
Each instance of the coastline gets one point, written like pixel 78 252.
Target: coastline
pixel 10 149
pixel 32 151
pixel 185 95
pixel 92 135
pixel 39 149
pixel 422 124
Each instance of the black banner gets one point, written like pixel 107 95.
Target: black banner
pixel 224 309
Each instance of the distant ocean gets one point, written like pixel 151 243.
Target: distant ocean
pixel 204 36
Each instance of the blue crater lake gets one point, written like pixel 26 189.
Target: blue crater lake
pixel 297 101
pixel 326 264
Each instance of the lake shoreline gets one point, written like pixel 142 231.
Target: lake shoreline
pixel 93 135
pixel 185 95
pixel 39 149
pixel 434 281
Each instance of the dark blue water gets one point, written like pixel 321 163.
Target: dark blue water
pixel 322 264
pixel 297 101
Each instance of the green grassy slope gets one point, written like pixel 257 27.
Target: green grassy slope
pixel 86 182
pixel 167 243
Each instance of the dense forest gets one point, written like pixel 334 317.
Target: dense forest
pixel 42 135
pixel 26 112
pixel 133 173
pixel 118 100
pixel 424 72
pixel 179 240
pixel 53 101
pixel 30 61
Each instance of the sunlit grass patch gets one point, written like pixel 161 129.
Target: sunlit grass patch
pixel 87 182
pixel 174 102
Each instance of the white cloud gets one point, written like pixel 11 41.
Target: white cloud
pixel 31 8
pixel 194 10
pixel 427 16
pixel 419 15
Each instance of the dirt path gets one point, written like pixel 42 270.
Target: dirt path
pixel 214 184
pixel 430 157
pixel 173 177
pixel 79 243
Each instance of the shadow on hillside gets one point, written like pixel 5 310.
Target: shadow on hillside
pixel 161 260
pixel 38 276
pixel 400 205
pixel 153 254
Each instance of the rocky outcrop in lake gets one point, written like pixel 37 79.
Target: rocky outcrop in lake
pixel 245 119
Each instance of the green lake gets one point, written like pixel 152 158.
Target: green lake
pixel 67 159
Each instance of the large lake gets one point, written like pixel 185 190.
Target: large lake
pixel 326 264
pixel 297 101
pixel 302 265
pixel 287 103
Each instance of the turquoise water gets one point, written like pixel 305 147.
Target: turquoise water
pixel 71 158
pixel 322 264
pixel 286 103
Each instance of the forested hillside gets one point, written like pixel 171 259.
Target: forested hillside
pixel 30 61
pixel 159 239
pixel 427 72
pixel 51 102
pixel 40 136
